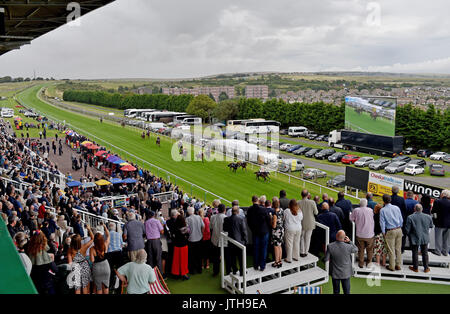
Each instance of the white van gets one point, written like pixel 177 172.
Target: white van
pixel 191 121
pixel 297 131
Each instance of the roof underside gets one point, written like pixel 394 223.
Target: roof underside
pixel 25 20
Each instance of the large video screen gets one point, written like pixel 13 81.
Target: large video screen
pixel 373 115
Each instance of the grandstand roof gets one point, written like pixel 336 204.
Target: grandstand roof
pixel 21 21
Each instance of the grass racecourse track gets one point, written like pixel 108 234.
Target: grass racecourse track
pixel 213 176
pixel 364 123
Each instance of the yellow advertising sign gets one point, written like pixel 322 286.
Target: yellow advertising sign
pixel 380 184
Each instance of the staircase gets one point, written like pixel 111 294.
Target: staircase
pixel 439 274
pixel 304 272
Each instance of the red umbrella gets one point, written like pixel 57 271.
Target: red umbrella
pixel 93 147
pixel 100 153
pixel 128 168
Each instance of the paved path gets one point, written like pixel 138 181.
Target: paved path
pixel 64 163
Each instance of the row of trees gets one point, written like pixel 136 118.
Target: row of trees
pixel 430 128
pixel 130 101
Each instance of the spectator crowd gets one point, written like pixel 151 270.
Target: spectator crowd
pixel 135 244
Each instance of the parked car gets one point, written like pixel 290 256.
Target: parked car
pixel 364 161
pixel 420 162
pixel 437 170
pixel 284 132
pixel 310 153
pixel 409 151
pixel 302 151
pixel 321 138
pixel 292 148
pixel 285 146
pixel 396 166
pixel 446 158
pixel 324 153
pixel 379 164
pixel 414 169
pixel 273 144
pixel 312 136
pixel 311 173
pixel 349 159
pixel 424 153
pixel 438 156
pixel 402 158
pixel 336 157
pixel 337 181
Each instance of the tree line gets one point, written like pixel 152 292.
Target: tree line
pixel 420 128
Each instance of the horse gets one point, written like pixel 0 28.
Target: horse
pixel 263 174
pixel 243 165
pixel 233 166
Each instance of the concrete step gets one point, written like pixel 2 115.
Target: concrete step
pixel 311 276
pixel 437 275
pixel 253 274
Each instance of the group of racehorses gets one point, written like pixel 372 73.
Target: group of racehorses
pixel 234 166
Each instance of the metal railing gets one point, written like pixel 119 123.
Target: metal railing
pixel 224 237
pixel 327 241
pixel 92 219
pixel 21 186
pixel 165 197
pixel 115 198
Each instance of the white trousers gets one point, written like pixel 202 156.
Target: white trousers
pixel 292 244
pixel 305 241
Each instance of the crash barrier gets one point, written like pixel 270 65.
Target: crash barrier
pixel 117 201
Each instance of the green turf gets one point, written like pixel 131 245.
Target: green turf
pixel 364 123
pixel 212 176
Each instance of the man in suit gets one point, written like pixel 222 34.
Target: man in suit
pixel 259 222
pixel 330 220
pixel 347 208
pixel 400 203
pixel 237 230
pixel 441 212
pixel 339 253
pixel 337 210
pixel 418 227
pixel 309 210
pixel 284 201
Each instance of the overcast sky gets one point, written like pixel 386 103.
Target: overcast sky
pixel 191 38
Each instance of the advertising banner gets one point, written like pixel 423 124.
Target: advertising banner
pixel 419 188
pixel 380 184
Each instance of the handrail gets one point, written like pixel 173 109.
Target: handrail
pixel 224 237
pixel 22 186
pixel 92 219
pixel 327 241
pixel 354 241
pixel 161 196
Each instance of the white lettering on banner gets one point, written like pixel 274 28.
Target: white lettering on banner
pixel 418 188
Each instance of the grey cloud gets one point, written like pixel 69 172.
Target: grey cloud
pixel 185 38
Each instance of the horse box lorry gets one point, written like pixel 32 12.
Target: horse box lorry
pixel 368 143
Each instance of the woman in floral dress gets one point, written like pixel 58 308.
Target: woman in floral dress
pixel 81 276
pixel 277 231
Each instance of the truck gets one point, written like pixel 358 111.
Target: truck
pixel 367 143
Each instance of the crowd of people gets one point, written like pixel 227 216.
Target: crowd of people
pixel 62 252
